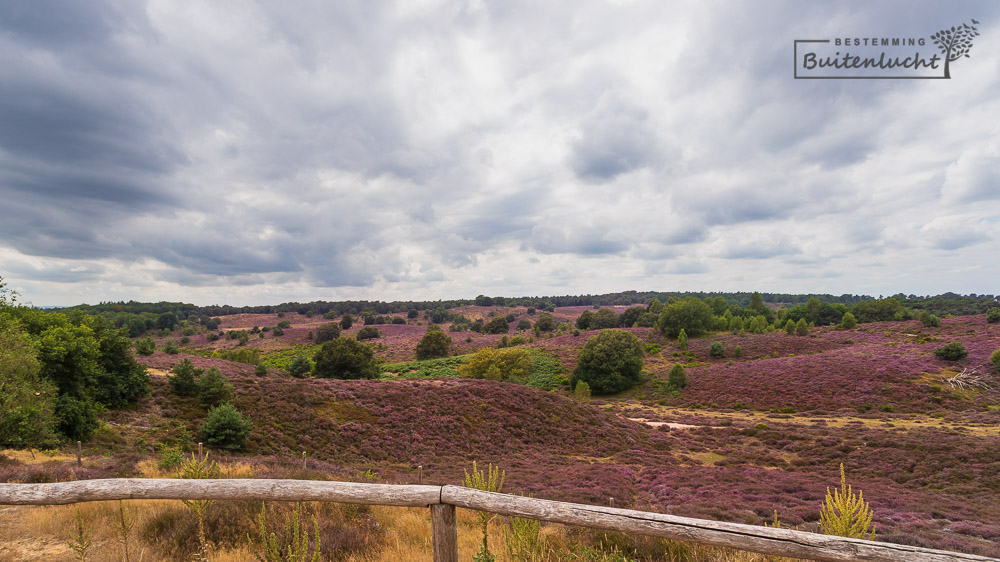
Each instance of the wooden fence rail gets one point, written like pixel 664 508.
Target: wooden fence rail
pixel 443 500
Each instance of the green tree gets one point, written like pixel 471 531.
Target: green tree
pixel 716 350
pixel 346 321
pixel 167 321
pixel 213 389
pixel 545 323
pixel 801 327
pixel 610 362
pixel 604 319
pixel 848 321
pixel 523 324
pixel 412 313
pixel 121 380
pixel 677 377
pixel 758 324
pixel 846 515
pixel 327 332
pixel 184 381
pixel 225 428
pixel 995 359
pixel 682 340
pixel 145 346
pixel 435 343
pixel 883 310
pixel 77 417
pixel 344 358
pixel 300 366
pixel 368 333
pixel 27 401
pixel 497 325
pixel 928 319
pixel 584 320
pixel 736 325
pixel 993 315
pixel 631 316
pixel 692 315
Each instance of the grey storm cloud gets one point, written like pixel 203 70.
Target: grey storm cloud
pixel 456 147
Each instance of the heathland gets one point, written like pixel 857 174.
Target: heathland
pixel 738 407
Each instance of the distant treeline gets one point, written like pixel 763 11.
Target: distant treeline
pixel 139 317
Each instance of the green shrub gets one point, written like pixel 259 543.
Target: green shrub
pixel 435 343
pixel 524 324
pixel 677 377
pixel 738 351
pixel 801 327
pixel 993 315
pixel 213 389
pixel 790 327
pixel 225 428
pixel 170 457
pixel 344 358
pixel 300 366
pixel 185 378
pixel 717 351
pixel 848 321
pixel 145 346
pixel 497 365
pixel 327 332
pixel 260 370
pixel 368 333
pixel 610 362
pixel 284 324
pixel 682 340
pixel 995 359
pixel 346 322
pixel 846 515
pixel 952 351
pixel 928 319
pixel 582 391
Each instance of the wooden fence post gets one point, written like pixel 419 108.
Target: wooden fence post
pixel 420 474
pixel 303 460
pixel 79 453
pixel 200 456
pixel 444 531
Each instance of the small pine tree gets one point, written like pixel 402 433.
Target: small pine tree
pixel 845 515
pixel 213 389
pixel 682 340
pixel 300 366
pixel 952 351
pixel 145 346
pixel 995 359
pixel 677 377
pixel 582 391
pixel 489 480
pixel 738 351
pixel 226 428
pixel 717 351
pixel 184 381
pixel 801 327
pixel 790 327
pixel 736 325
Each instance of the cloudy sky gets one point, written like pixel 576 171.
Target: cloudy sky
pixel 261 152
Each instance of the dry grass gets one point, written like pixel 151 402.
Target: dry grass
pixel 42 533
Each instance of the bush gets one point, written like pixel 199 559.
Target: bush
pixel 327 332
pixel 368 333
pixel 682 340
pixel 928 319
pixel 497 325
pixel 848 321
pixel 260 370
pixel 497 365
pixel 524 324
pixel 434 344
pixel 993 315
pixel 171 348
pixel 738 351
pixel 278 332
pixel 677 377
pixel 344 358
pixel 185 378
pixel 610 362
pixel 545 323
pixel 145 346
pixel 346 321
pixel 213 389
pixel 225 428
pixel 995 359
pixel 692 315
pixel 300 366
pixel 801 327
pixel 284 324
pixel 412 313
pixel 952 351
pixel 717 351
pixel 77 417
pixel 790 327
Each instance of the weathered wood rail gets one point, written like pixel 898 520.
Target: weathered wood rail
pixel 443 500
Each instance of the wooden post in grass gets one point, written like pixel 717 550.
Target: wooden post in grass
pixel 444 532
pixel 199 450
pixel 303 460
pixel 79 453
pixel 420 475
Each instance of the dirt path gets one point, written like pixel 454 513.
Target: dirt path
pixel 17 543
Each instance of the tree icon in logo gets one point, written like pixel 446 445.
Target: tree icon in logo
pixel 955 42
